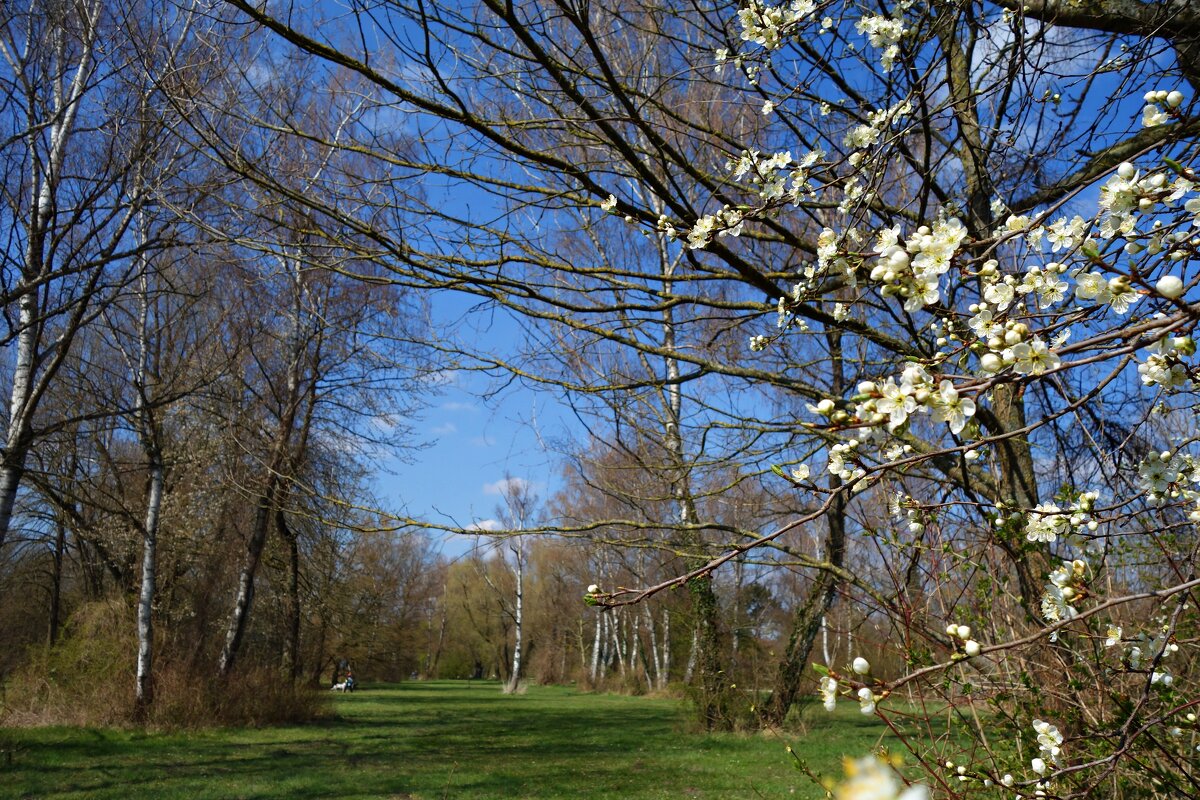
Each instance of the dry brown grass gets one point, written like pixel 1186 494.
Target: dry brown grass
pixel 87 679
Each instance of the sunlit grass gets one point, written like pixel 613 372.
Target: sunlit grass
pixel 442 740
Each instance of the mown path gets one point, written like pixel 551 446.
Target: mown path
pixel 437 740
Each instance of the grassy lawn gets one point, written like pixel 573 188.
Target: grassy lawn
pixel 439 740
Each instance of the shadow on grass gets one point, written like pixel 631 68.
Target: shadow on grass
pixel 426 740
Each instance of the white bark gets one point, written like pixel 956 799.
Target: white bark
pixel 655 657
pixel 665 676
pixel 596 647
pixel 692 653
pixel 514 679
pixel 145 624
pixel 45 177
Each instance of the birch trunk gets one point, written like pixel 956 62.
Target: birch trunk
pixel 268 501
pixel 596 648
pixel 514 679
pixel 45 176
pixel 145 619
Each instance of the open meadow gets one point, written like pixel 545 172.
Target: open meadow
pixel 441 739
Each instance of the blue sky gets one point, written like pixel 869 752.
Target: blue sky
pixel 476 431
pixel 473 444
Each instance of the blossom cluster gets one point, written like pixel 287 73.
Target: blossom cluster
pixel 1049 744
pixel 1067 585
pixel 885 33
pixel 998 311
pixel 1169 476
pixel 1046 522
pixel 769 25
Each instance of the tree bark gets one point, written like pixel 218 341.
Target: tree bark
pixel 145 660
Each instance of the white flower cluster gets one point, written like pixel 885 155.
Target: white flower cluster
pixel 830 258
pixel 726 222
pixel 1049 744
pixel 970 647
pixel 872 779
pixel 768 25
pixel 862 137
pixel 1064 234
pixel 838 456
pixel 1144 652
pixel 829 692
pixel 866 700
pixel 1065 588
pixel 778 176
pixel 883 32
pixel 1164 367
pixel 1046 522
pixel 913 271
pixel 1169 476
pixel 1115 291
pixel 888 403
pixel 1128 193
pixel 1160 105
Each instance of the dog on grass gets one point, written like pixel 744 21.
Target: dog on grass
pixel 340 687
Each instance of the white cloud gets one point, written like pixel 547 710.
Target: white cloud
pixel 486 525
pixel 442 430
pixel 506 486
pixel 458 406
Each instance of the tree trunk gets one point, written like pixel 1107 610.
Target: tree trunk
pixel 690 669
pixel 245 591
pixel 269 500
pixel 17 437
pixel 291 645
pixel 43 184
pixel 145 631
pixel 514 679
pixel 810 615
pixel 60 546
pixel 596 648
pixel 807 622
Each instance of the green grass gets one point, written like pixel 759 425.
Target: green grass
pixel 440 740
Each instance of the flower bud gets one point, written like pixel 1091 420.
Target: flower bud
pixel 1126 171
pixel 861 666
pixel 1174 99
pixel 1169 286
pixel 971 648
